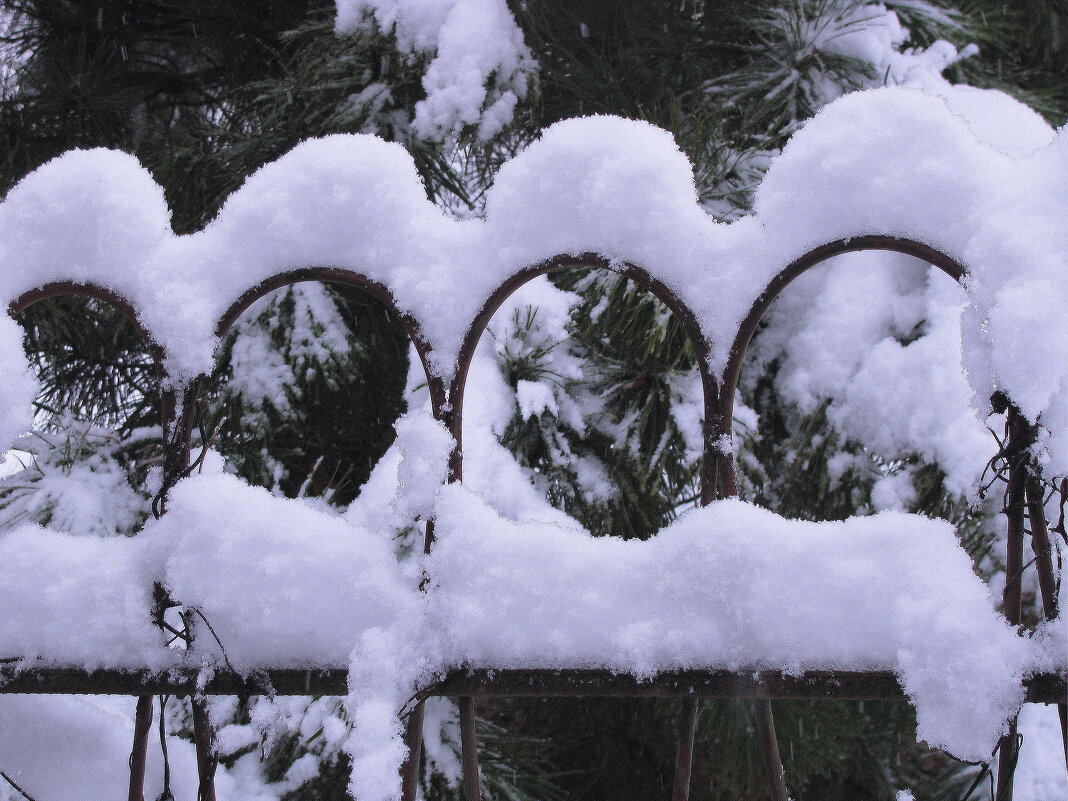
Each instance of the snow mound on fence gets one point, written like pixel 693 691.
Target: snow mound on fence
pixel 893 161
pixel 275 583
pixel 88 216
pixel 733 586
pixel 77 601
pixel 282 584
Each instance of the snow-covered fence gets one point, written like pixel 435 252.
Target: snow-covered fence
pixel 730 600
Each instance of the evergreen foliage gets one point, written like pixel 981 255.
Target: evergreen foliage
pixel 310 381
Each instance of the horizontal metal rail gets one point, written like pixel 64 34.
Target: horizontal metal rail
pixel 1046 688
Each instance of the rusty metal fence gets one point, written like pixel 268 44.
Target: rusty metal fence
pixel 1023 510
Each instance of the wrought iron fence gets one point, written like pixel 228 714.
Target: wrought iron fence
pixel 1024 504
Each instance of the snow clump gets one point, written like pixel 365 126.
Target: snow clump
pixel 479 67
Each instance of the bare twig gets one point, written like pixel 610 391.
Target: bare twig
pixel 18 789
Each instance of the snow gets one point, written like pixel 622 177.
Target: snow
pixel 284 584
pixel 93 736
pixel 953 191
pixel 72 481
pixel 18 386
pixel 424 445
pixel 534 398
pixel 892 161
pixel 77 747
pixel 728 586
pixel 737 587
pixel 281 584
pixel 890 366
pixel 479 66
pixel 81 600
pixel 1040 774
pixel 388 666
pixel 86 216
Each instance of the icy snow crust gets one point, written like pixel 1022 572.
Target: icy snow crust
pixel 731 586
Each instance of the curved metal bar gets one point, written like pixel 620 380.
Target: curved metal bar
pixel 57 289
pixel 640 276
pixel 726 479
pixel 712 431
pixel 336 275
pixel 92 291
pixel 814 257
pixel 381 293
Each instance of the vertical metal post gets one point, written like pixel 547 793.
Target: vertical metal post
pixel 769 749
pixel 680 790
pixel 207 759
pixel 765 720
pixel 139 751
pixel 1015 506
pixel 143 713
pixel 176 463
pixel 1007 758
pixel 1036 515
pixel 413 738
pixel 469 749
pixel 1062 713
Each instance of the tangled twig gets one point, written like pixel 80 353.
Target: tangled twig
pixel 165 794
pixel 18 789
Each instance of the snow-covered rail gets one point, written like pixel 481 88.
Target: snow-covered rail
pixel 728 600
pixel 870 685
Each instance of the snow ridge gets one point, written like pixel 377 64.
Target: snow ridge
pixel 758 591
pixel 890 161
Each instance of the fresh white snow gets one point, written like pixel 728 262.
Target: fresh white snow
pixel 891 161
pixel 478 69
pixel 732 586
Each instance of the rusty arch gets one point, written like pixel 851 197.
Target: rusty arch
pixel 377 290
pixel 797 268
pixel 644 279
pixel 56 289
pixel 710 469
pixel 336 275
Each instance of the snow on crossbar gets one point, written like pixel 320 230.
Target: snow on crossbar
pixel 275 597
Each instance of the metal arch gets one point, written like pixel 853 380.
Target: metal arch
pixel 727 482
pixel 718 402
pixel 171 450
pixel 590 261
pixel 774 288
pixel 712 429
pixel 56 289
pixel 337 275
pixel 1019 481
pixel 435 386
